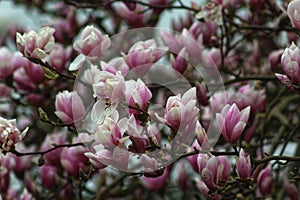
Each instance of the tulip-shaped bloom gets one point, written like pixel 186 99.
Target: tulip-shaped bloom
pixel 36 45
pixel 248 96
pixel 137 95
pixel 109 86
pixel 117 157
pixel 243 165
pixel 232 122
pixel 290 189
pixel 274 59
pixel 180 63
pixel 143 54
pixel 202 136
pixel 92 43
pixel 265 181
pixel 6 69
pixel 133 17
pixel 59 57
pixel 114 65
pixel 155 184
pixel 69 106
pixel 293 11
pixel 10 134
pixel 73 160
pixel 290 61
pixel 183 179
pixel 48 176
pixel 216 171
pixel 180 111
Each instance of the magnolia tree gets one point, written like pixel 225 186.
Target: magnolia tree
pixel 100 102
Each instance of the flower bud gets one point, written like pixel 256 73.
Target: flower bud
pixel 243 165
pixel 232 122
pixel 180 63
pixel 48 174
pixel 275 58
pixel 290 189
pixel 265 181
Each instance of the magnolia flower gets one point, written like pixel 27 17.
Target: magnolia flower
pixel 36 45
pixel 143 54
pixel 59 56
pixel 265 181
pixel 290 61
pixel 180 63
pixel 10 134
pixel 92 43
pixel 213 170
pixel 243 165
pixel 155 184
pixel 180 110
pixel 232 122
pixel 137 95
pixel 69 106
pixel 293 11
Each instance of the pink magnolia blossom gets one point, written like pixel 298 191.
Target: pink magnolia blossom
pixel 244 165
pixel 293 11
pixel 73 160
pixel 290 189
pixel 117 157
pixel 59 57
pixel 69 106
pixel 232 122
pixel 143 54
pixel 137 135
pixel 204 30
pixel 92 43
pixel 180 110
pixel 26 195
pixel 183 179
pixel 284 79
pixel 10 134
pixel 155 184
pixel 36 45
pixel 180 62
pixel 114 65
pixel 130 14
pixel 110 132
pixel 202 94
pixel 109 86
pixel 48 176
pixel 290 61
pixel 6 69
pixel 214 170
pixel 137 95
pixel 275 58
pixel 265 181
pixel 202 136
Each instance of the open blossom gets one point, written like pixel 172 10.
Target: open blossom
pixel 232 122
pixel 92 43
pixel 10 134
pixel 132 17
pixel 36 45
pixel 69 106
pixel 213 170
pixel 137 94
pixel 143 54
pixel 265 181
pixel 180 110
pixel 243 165
pixel 109 86
pixel 290 61
pixel 59 57
pixel 293 11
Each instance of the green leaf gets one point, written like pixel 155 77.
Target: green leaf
pixel 42 114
